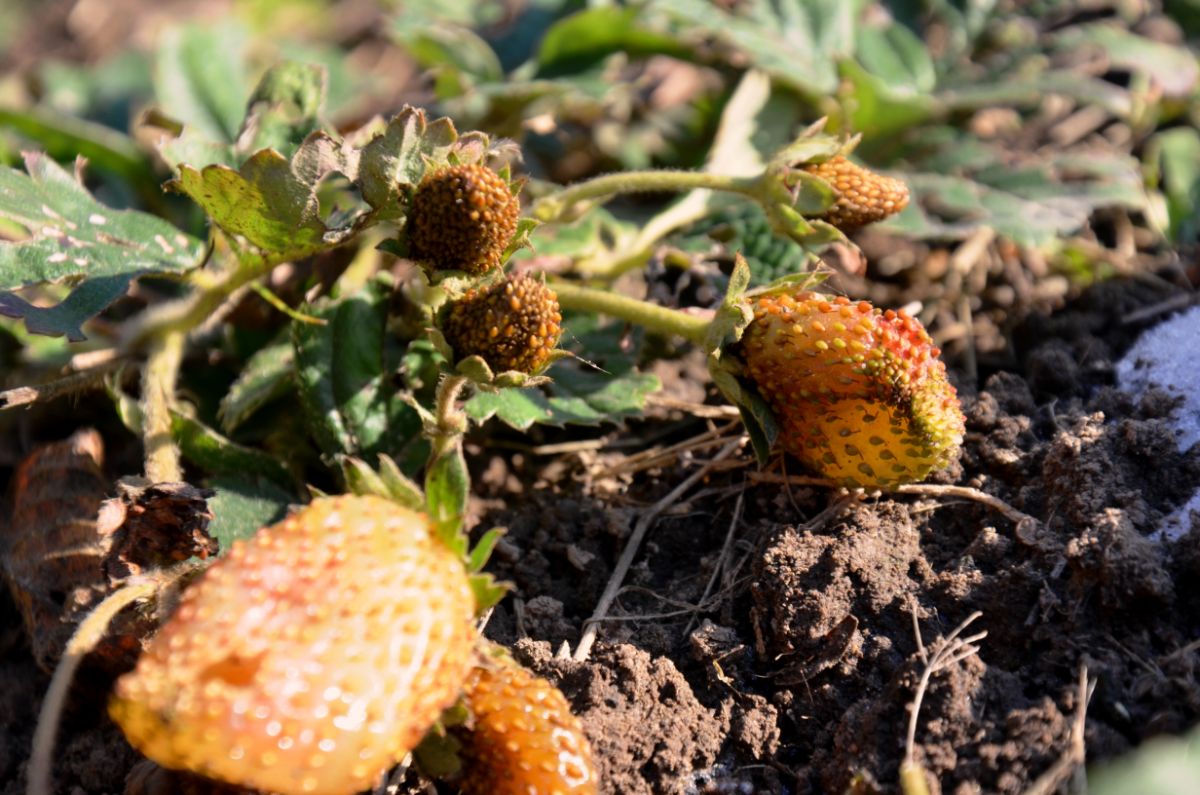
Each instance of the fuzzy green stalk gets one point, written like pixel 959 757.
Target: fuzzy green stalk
pixel 557 205
pixel 211 290
pixel 158 396
pixel 654 318
pixel 450 422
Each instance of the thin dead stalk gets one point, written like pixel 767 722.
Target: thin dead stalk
pixel 634 543
pixel 1075 754
pixel 916 489
pixel 71 384
pixel 946 652
pixel 719 565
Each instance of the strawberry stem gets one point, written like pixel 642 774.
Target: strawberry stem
pixel 654 318
pixel 158 396
pixel 557 205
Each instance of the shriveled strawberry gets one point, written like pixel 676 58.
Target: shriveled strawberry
pixel 463 217
pixel 861 196
pixel 524 739
pixel 860 395
pixel 310 658
pixel 514 324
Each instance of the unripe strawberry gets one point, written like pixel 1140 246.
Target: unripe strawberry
pixel 860 395
pixel 524 739
pixel 861 196
pixel 513 324
pixel 462 218
pixel 309 659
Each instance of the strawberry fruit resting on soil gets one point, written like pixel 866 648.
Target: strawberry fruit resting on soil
pixel 524 739
pixel 860 395
pixel 513 324
pixel 310 658
pixel 861 196
pixel 462 218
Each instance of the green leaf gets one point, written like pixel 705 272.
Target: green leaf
pixel 583 39
pixel 344 372
pixel 242 505
pixel 447 490
pixel 1033 206
pixel 220 456
pixel 876 110
pixel 757 416
pixel 1162 766
pixel 1175 155
pixel 797 42
pixel 266 376
pixel 71 236
pixel 401 488
pixel 272 201
pixel 895 55
pixel 483 549
pixel 458 56
pixel 200 79
pixel 65 137
pixel 578 397
pixel 285 108
pixel 1173 68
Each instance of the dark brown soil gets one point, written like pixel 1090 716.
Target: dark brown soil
pixel 799 677
pixel 797 673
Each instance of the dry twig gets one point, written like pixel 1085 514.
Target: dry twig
pixel 946 652
pixel 73 383
pixel 719 565
pixel 1076 753
pixel 917 489
pixel 635 541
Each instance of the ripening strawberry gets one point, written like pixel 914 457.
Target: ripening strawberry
pixel 524 740
pixel 860 395
pixel 861 196
pixel 463 218
pixel 309 659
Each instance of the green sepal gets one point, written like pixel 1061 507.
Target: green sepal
pixel 447 489
pixel 438 754
pixel 388 482
pixel 757 416
pixel 734 315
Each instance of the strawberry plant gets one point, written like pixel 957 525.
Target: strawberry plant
pixel 325 319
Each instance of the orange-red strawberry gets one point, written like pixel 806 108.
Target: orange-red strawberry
pixel 861 196
pixel 860 395
pixel 310 658
pixel 462 218
pixel 524 740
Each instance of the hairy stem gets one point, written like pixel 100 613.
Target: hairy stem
pixel 556 205
pixel 86 638
pixel 158 395
pixel 451 422
pixel 658 319
pixel 187 313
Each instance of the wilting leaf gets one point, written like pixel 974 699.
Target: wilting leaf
pixel 272 201
pixel 397 158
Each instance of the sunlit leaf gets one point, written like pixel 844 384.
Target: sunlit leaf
pixel 73 237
